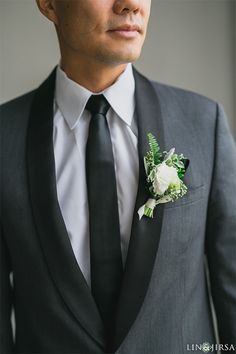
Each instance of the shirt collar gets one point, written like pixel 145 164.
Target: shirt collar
pixel 71 98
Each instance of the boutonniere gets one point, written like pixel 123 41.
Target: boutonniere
pixel 165 172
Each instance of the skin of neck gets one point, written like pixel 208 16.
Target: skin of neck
pixel 94 75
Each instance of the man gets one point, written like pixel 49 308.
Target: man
pixel 88 275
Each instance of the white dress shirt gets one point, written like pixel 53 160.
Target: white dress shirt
pixel 71 123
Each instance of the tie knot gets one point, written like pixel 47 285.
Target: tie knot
pixel 97 104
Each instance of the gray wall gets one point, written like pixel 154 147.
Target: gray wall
pixel 191 44
pixel 235 69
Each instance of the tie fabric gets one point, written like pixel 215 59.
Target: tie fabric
pixel 105 249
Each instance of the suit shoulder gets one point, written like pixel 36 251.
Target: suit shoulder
pixel 187 104
pixel 18 103
pixel 15 112
pixel 182 95
pixel 186 99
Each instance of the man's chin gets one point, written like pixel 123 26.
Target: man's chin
pixel 123 58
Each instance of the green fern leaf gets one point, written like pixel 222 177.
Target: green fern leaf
pixel 154 149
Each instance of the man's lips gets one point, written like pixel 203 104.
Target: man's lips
pixel 129 28
pixel 126 31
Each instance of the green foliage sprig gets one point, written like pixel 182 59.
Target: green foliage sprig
pixel 165 172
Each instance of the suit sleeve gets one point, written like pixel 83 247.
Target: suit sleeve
pixel 221 232
pixel 6 340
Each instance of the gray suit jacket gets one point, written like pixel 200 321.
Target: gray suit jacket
pixel 164 301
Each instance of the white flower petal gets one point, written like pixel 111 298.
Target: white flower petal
pixel 164 176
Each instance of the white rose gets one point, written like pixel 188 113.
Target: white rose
pixel 164 176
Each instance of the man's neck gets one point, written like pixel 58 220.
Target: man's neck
pixel 94 77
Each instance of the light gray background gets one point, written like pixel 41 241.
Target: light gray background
pixel 191 44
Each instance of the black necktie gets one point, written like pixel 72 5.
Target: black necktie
pixel 105 249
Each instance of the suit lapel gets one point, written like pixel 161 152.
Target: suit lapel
pixel 145 235
pixel 50 226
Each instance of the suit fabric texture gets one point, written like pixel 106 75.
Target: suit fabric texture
pixel 164 301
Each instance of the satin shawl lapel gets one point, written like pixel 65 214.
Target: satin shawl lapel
pixel 145 235
pixel 49 223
